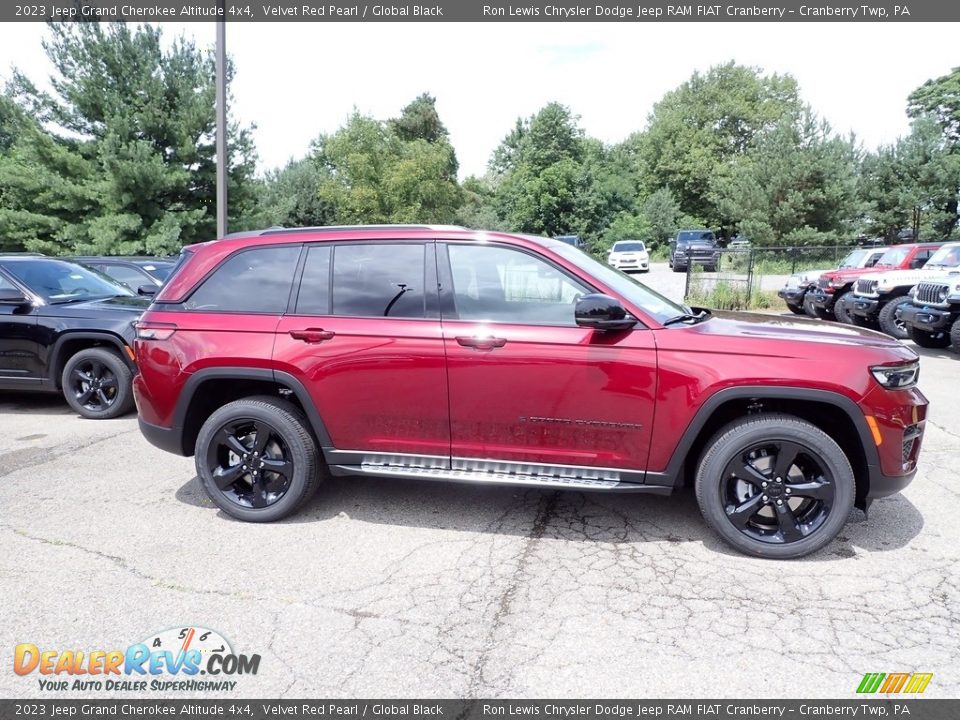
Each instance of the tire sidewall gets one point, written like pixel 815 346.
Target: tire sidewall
pixel 887 318
pixel 290 429
pixel 122 403
pixel 737 438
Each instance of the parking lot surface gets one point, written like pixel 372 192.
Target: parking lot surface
pixel 402 588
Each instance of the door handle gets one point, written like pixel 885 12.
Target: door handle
pixel 481 342
pixel 312 335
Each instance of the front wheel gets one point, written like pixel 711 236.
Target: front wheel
pixel 796 309
pixel 96 384
pixel 842 310
pixel 890 321
pixel 955 336
pixel 927 339
pixel 256 459
pixel 808 307
pixel 775 486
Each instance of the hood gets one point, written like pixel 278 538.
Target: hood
pixel 131 306
pixel 759 326
pixel 854 273
pixel 904 278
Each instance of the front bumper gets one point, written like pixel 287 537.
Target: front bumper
pixel 641 265
pixel 822 299
pixel 927 318
pixel 900 417
pixel 793 296
pixel 865 307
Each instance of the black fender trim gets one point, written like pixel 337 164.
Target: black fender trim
pixel 70 335
pixel 673 475
pixel 246 373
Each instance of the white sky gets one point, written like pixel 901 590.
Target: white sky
pixel 296 80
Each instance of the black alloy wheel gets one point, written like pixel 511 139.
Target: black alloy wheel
pixel 96 384
pixel 773 485
pixel 257 459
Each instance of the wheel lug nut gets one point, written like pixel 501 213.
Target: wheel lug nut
pixel 765 498
pixel 788 491
pixel 779 502
pixel 763 484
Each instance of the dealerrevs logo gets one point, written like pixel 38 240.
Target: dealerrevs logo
pixel 170 660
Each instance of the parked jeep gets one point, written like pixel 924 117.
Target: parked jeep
pixel 439 353
pixel 933 316
pixel 65 328
pixel 878 299
pixel 797 287
pixel 833 286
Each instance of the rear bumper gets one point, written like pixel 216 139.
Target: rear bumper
pixel 926 318
pixel 168 439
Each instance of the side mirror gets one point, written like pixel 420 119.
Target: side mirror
pixel 12 296
pixel 602 312
pixel 148 290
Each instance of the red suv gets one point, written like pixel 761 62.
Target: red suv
pixel 277 357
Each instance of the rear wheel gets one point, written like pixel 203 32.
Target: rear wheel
pixel 96 384
pixel 927 339
pixel 890 321
pixel 257 459
pixel 773 485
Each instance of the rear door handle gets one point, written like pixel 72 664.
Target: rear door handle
pixel 481 343
pixel 312 335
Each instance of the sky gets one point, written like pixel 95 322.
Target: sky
pixel 297 80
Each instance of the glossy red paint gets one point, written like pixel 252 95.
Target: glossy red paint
pixel 838 279
pixel 544 394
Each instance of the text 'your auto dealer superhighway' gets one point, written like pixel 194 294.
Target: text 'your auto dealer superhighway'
pixel 640 12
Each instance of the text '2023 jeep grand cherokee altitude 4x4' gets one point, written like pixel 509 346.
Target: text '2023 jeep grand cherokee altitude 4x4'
pixel 279 356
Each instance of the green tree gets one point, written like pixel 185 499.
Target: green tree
pixel 140 119
pixel 663 215
pixel 794 185
pixel 940 99
pixel 290 197
pixel 696 130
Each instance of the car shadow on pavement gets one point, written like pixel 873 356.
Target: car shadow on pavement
pixel 941 353
pixel 587 517
pixel 38 403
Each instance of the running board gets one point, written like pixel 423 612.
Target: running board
pixel 488 477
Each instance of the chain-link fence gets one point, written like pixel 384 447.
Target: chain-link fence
pixel 738 278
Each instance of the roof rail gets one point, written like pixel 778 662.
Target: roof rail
pixel 341 228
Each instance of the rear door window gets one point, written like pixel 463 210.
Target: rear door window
pixel 379 280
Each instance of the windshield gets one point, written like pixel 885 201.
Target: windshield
pixel 947 256
pixel 853 259
pixel 57 281
pixel 630 246
pixel 893 257
pixel 686 236
pixel 653 303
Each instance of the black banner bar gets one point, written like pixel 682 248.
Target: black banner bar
pixel 480 11
pixel 858 709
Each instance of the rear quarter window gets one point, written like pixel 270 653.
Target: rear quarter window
pixel 251 281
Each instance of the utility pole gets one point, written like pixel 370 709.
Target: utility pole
pixel 221 71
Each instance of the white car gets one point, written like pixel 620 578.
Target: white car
pixel 629 256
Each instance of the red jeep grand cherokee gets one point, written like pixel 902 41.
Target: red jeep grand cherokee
pixel 276 357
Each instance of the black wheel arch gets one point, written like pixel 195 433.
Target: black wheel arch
pixel 73 341
pixel 837 415
pixel 210 388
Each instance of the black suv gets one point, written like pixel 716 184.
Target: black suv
pixel 694 246
pixel 143 275
pixel 66 328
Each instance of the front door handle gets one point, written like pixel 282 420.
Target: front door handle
pixel 481 342
pixel 312 335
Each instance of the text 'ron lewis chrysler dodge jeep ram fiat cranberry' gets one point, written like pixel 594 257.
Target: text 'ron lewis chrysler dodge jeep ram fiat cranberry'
pixel 281 356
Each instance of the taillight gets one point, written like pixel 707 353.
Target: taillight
pixel 155 330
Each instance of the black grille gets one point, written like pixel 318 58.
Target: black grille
pixel 866 287
pixel 911 443
pixel 932 293
pixel 823 282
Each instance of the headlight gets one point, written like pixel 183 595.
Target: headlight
pixel 912 292
pixel 897 377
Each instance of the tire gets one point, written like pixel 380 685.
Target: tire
pixel 796 309
pixel 889 322
pixel 231 435
pixel 842 310
pixel 678 269
pixel 822 313
pixel 808 306
pixel 927 339
pixel 743 455
pixel 861 321
pixel 96 383
pixel 955 336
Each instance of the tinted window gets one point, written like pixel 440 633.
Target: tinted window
pixel 494 283
pixel 128 276
pixel 255 281
pixel 688 236
pixel 160 272
pixel 314 297
pixel 629 246
pixel 378 280
pixel 58 281
pixel 6 284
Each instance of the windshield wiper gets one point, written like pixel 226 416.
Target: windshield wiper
pixel 688 317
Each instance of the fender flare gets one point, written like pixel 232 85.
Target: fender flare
pixel 56 353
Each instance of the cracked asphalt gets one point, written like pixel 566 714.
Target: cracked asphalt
pixel 392 588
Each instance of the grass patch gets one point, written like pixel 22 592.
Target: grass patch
pixel 730 295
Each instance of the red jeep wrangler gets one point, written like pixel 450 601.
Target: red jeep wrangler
pixel 833 286
pixel 277 357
